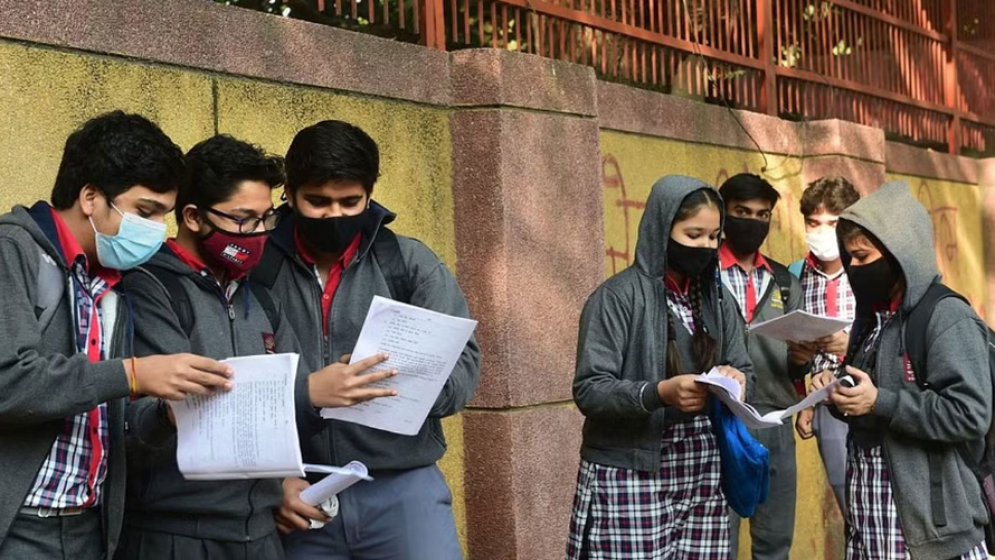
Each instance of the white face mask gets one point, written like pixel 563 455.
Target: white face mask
pixel 822 242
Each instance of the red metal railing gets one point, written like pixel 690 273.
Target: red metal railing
pixel 922 70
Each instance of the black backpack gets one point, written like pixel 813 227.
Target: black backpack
pixel 386 249
pixel 915 325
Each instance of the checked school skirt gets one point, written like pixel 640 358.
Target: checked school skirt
pixel 678 513
pixel 873 530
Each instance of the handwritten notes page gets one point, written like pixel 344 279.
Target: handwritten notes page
pixel 424 347
pixel 248 432
pixel 727 390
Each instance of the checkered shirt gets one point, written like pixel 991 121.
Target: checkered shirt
pixel 736 279
pixel 677 513
pixel 680 304
pixel 818 291
pixel 75 469
pixel 873 529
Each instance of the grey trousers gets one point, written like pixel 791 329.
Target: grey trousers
pixel 772 527
pixel 75 537
pixel 403 515
pixel 830 434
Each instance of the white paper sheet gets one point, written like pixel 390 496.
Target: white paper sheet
pixel 728 391
pixel 799 326
pixel 338 479
pixel 248 432
pixel 424 347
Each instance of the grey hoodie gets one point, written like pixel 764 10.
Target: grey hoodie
pixel 621 350
pixel 159 498
pixel 923 426
pixel 43 379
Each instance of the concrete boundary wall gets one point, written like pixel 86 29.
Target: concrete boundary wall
pixel 524 144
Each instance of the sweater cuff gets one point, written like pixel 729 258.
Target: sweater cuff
pixel 886 403
pixel 109 380
pixel 650 397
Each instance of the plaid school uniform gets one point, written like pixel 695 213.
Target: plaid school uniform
pixel 873 528
pixel 677 513
pixel 827 295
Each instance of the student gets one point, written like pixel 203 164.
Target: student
pixel 328 258
pixel 763 289
pixel 649 481
pixel 825 291
pixel 909 492
pixel 193 297
pixel 64 329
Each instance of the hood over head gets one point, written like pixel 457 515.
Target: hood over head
pixel 902 224
pixel 658 219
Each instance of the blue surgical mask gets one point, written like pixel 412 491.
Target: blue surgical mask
pixel 136 241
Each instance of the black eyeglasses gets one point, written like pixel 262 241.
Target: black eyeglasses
pixel 269 220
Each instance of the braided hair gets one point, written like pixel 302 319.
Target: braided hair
pixel 702 343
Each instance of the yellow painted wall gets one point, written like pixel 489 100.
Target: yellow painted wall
pixel 957 210
pixel 47 93
pixel 630 165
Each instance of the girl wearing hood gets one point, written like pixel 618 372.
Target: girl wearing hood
pixel 649 481
pixel 909 492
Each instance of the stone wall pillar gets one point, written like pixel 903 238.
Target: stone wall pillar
pixel 840 148
pixel 530 249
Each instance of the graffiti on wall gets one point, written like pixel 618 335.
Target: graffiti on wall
pixel 785 240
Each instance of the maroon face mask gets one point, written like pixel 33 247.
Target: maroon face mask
pixel 237 253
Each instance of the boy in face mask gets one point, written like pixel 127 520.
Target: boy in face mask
pixel 910 491
pixel 763 290
pixel 64 328
pixel 328 258
pixel 193 296
pixel 825 291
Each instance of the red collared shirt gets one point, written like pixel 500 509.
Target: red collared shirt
pixel 747 288
pixel 74 471
pixel 334 275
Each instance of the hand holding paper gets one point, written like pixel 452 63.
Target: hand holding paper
pixel 424 347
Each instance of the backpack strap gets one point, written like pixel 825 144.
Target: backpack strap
pixel 783 279
pixel 915 325
pixel 265 273
pixel 796 268
pixel 388 253
pixel 178 298
pixel 266 300
pixel 51 285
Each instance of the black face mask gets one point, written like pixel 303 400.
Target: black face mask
pixel 331 235
pixel 873 283
pixel 690 262
pixel 745 235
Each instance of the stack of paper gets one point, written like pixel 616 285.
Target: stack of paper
pixel 799 326
pixel 251 431
pixel 424 347
pixel 248 432
pixel 728 391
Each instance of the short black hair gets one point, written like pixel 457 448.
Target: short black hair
pixel 115 152
pixel 216 167
pixel 332 151
pixel 747 186
pixel 834 194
